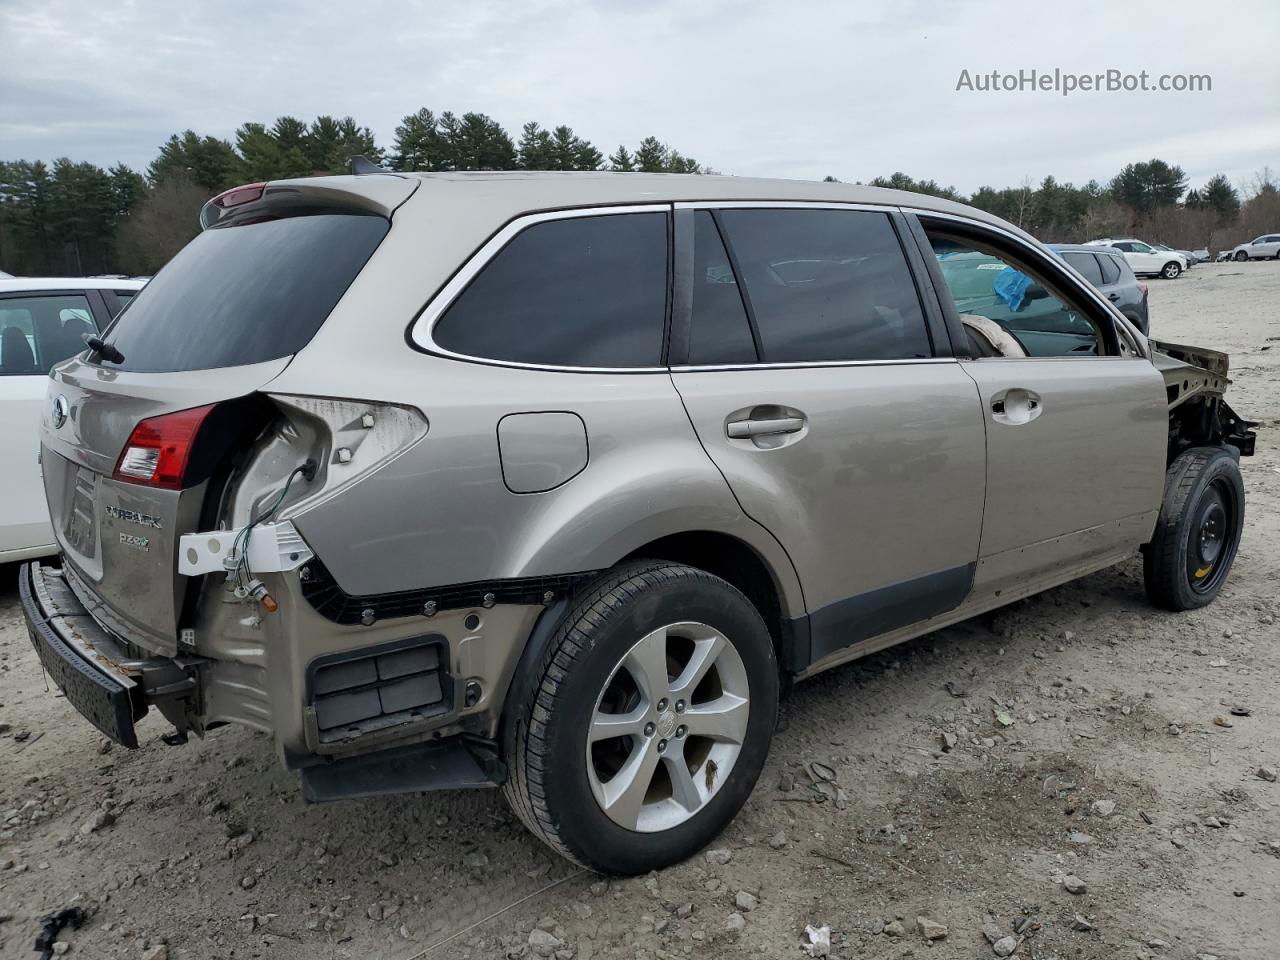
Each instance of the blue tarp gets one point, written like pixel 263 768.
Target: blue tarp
pixel 1011 287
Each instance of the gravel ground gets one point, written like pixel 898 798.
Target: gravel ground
pixel 1116 778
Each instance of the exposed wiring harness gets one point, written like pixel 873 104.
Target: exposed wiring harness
pixel 245 583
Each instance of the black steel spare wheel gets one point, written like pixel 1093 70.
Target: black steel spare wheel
pixel 1196 537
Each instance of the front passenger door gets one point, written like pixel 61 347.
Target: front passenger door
pixel 807 365
pixel 1076 426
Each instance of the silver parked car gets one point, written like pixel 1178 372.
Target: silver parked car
pixel 556 481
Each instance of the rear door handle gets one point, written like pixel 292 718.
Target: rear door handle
pixel 747 429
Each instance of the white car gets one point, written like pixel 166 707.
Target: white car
pixel 1186 255
pixel 42 322
pixel 1266 246
pixel 1145 260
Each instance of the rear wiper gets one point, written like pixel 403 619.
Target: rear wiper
pixel 105 350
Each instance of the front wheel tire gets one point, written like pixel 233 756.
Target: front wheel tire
pixel 1195 541
pixel 650 722
pixel 1241 256
pixel 1171 270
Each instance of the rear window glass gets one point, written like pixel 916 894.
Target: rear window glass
pixel 581 292
pixel 245 294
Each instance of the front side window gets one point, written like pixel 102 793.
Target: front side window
pixel 39 331
pixel 826 285
pixel 1005 306
pixel 1140 248
pixel 579 292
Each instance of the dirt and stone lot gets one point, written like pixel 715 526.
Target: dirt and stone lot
pixel 1077 776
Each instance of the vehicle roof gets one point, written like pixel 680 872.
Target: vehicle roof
pixel 503 195
pixel 1083 248
pixel 37 284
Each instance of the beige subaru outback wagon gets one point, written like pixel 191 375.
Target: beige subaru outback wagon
pixel 553 482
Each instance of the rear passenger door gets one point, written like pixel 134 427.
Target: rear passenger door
pixel 820 386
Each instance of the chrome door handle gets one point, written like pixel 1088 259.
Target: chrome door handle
pixel 746 429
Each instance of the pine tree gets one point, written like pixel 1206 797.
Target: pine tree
pixel 1144 187
pixel 450 130
pixel 651 156
pixel 418 145
pixel 129 189
pixel 621 160
pixel 1219 195
pixel 536 150
pixel 206 161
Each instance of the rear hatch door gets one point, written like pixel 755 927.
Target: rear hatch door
pixel 219 322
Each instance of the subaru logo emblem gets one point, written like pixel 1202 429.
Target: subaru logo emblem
pixel 61 410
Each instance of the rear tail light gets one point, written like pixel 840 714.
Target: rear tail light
pixel 159 449
pixel 1143 288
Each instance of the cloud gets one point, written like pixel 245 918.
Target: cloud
pixel 788 90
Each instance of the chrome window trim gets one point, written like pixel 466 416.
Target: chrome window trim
pixel 783 205
pixel 807 364
pixel 423 326
pixel 1136 342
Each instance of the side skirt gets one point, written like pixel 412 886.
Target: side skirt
pixel 859 618
pixel 972 608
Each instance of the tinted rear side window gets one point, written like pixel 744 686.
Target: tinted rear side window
pixel 580 292
pixel 245 294
pixel 1087 264
pixel 1112 267
pixel 720 332
pixel 827 285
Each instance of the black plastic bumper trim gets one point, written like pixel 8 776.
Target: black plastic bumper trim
pixel 452 764
pixel 332 603
pixel 100 699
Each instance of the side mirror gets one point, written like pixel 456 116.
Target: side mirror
pixel 1035 292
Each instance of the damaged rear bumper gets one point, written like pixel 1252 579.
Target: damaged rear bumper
pixel 110 687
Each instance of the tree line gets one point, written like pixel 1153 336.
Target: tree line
pixel 1149 200
pixel 75 218
pixel 70 219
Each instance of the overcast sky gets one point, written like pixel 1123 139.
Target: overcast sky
pixel 785 89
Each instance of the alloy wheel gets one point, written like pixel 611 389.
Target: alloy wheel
pixel 667 727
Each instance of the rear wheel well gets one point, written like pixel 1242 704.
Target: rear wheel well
pixel 731 560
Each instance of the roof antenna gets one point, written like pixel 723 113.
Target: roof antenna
pixel 362 164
